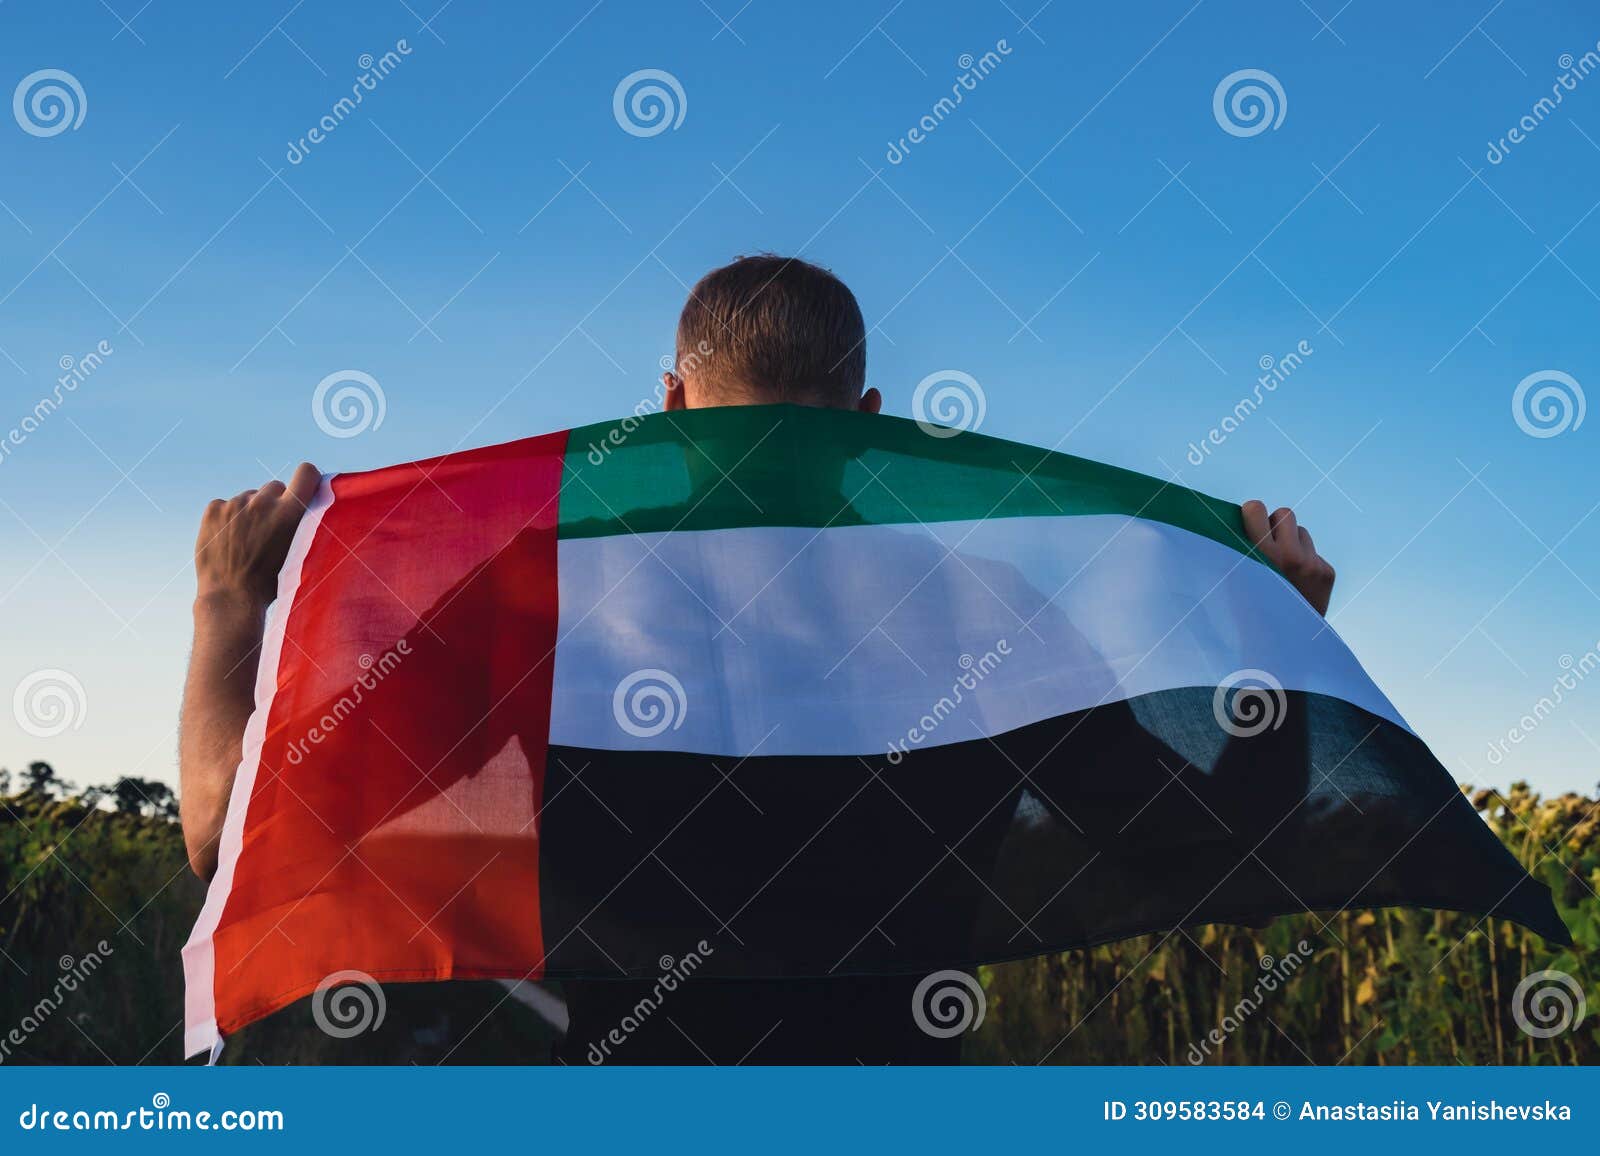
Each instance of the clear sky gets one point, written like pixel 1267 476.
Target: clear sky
pixel 1081 234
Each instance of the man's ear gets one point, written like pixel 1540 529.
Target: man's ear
pixel 673 399
pixel 871 402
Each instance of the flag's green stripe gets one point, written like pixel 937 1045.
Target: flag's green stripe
pixel 712 469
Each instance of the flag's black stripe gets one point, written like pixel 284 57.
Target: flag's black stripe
pixel 1132 818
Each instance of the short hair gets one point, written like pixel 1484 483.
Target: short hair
pixel 773 329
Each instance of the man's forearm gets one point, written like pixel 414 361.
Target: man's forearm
pixel 238 553
pixel 217 700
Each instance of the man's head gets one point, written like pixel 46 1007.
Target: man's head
pixel 765 330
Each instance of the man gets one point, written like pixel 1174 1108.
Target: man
pixel 762 330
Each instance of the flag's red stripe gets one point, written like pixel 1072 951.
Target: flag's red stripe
pixel 354 850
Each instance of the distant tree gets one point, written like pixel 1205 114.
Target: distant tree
pixel 5 782
pixel 43 780
pixel 136 796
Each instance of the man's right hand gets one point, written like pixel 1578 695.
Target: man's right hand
pixel 1289 547
pixel 244 540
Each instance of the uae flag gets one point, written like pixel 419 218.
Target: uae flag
pixel 803 693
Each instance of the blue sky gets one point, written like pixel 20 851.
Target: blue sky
pixel 1081 235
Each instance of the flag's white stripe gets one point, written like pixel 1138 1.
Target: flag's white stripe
pixel 199 954
pixel 853 639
